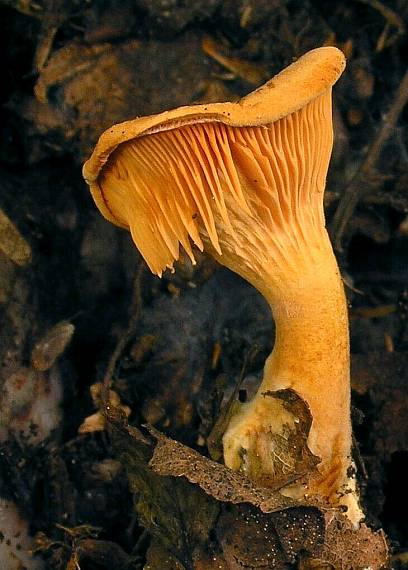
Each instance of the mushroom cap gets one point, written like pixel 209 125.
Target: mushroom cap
pixel 288 91
pixel 222 172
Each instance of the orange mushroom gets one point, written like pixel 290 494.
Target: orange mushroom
pixel 245 181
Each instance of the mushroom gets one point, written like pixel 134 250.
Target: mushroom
pixel 245 181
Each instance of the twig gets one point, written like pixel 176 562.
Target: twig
pixel 358 184
pixel 54 15
pixel 358 458
pixel 387 13
pixel 135 312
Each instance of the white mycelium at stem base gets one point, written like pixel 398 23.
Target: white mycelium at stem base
pixel 251 192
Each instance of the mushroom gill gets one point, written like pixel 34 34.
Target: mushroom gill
pixel 210 182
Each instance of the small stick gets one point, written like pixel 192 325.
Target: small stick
pixel 358 184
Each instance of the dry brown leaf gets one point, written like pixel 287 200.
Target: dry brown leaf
pixel 255 528
pixel 51 346
pixel 84 88
pixel 347 548
pixel 66 64
pixel 12 243
pixel 97 421
pixel 255 540
pixel 171 458
pixel 250 72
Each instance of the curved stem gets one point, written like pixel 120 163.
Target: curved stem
pixel 311 357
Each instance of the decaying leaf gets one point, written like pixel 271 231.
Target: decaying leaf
pixel 174 508
pixel 158 558
pixel 27 7
pixel 51 346
pixel 104 553
pixel 255 540
pixel 347 548
pixel 171 458
pixel 82 546
pixel 66 64
pixel 250 72
pixel 72 104
pixel 97 421
pixel 16 394
pixel 12 243
pixel 203 516
pixel 293 456
pixel 179 515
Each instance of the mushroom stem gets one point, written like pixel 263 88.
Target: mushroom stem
pixel 311 357
pixel 245 181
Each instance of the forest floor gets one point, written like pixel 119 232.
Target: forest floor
pixel 79 310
